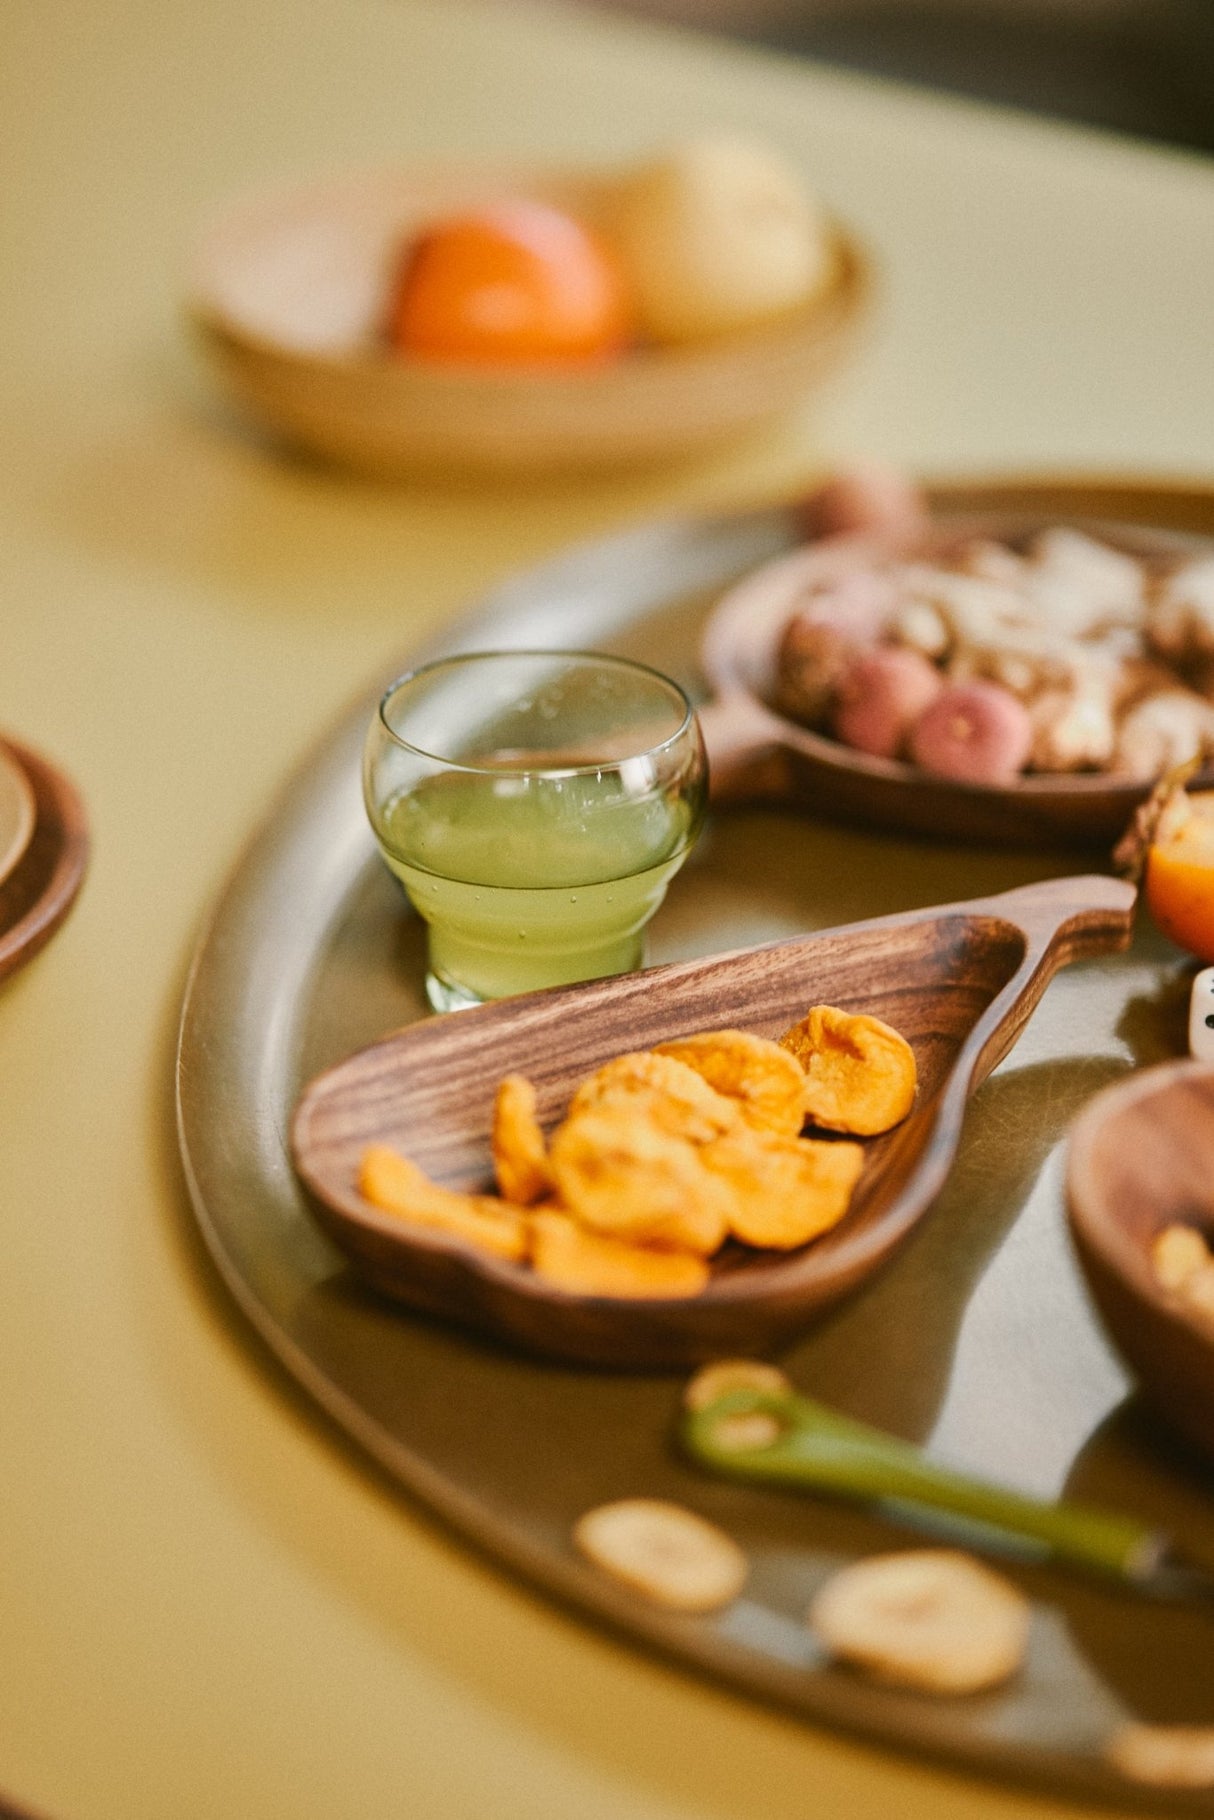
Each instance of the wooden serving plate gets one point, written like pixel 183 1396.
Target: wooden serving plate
pixel 41 888
pixel 1141 1158
pixel 288 294
pixel 758 754
pixel 958 981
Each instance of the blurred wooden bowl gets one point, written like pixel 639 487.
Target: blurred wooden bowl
pixel 288 293
pixel 1141 1158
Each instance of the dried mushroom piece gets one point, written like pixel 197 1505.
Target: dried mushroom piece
pixel 520 1155
pixel 784 1191
pixel 397 1186
pixel 860 1075
pixel 664 1552
pixel 931 1619
pixel 1180 619
pixel 581 1262
pixel 763 1080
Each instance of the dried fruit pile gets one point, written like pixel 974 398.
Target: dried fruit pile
pixel 989 661
pixel 713 237
pixel 665 1154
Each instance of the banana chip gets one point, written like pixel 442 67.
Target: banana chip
pixel 860 1075
pixel 722 1376
pixel 767 1083
pixel 1165 1756
pixel 395 1185
pixel 783 1191
pixel 662 1090
pixel 622 1174
pixel 520 1156
pixel 929 1618
pixel 570 1257
pixel 666 1553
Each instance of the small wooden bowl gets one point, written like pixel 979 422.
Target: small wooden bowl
pixel 18 813
pixel 756 752
pixel 37 894
pixel 1141 1157
pixel 958 981
pixel 289 292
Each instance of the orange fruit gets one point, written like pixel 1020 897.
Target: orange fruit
pixel 516 281
pixel 1179 879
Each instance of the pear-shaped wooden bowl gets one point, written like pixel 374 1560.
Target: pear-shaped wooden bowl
pixel 289 294
pixel 1141 1157
pixel 958 981
pixel 755 752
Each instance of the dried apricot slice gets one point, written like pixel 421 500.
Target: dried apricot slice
pixel 520 1155
pixel 783 1191
pixel 766 1081
pixel 670 1094
pixel 667 1553
pixel 621 1173
pixel 571 1257
pixel 397 1186
pixel 860 1075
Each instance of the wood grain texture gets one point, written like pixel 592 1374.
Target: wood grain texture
pixel 757 754
pixel 39 892
pixel 959 982
pixel 287 295
pixel 1141 1157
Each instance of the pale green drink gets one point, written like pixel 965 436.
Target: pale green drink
pixel 531 866
pixel 524 889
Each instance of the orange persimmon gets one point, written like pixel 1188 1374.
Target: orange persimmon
pixel 1179 880
pixel 515 281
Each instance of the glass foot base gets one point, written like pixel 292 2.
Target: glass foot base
pixel 446 997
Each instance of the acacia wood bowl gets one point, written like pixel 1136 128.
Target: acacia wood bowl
pixel 958 981
pixel 289 292
pixel 1141 1158
pixel 756 753
pixel 42 886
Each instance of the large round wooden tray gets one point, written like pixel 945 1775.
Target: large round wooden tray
pixel 977 1337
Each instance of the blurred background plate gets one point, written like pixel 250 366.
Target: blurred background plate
pixel 288 293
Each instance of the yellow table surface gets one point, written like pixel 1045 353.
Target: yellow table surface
pixel 208 1604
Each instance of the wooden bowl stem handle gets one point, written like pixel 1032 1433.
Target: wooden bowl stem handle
pixel 747 759
pixel 1063 920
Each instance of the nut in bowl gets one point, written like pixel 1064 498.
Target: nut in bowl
pixel 329 311
pixel 1014 677
pixel 1140 1190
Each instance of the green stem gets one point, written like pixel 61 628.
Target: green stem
pixel 819 1450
